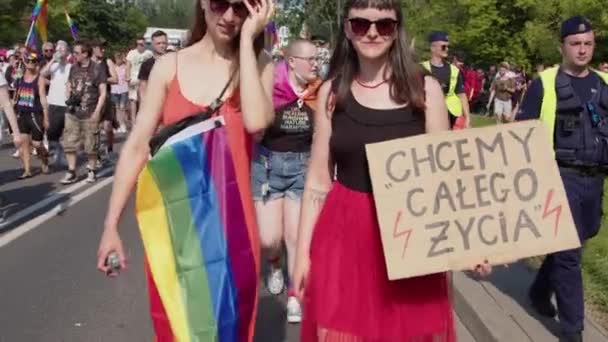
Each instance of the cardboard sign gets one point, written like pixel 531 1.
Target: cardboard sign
pixel 448 201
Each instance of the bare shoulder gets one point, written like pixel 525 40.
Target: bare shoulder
pixel 325 89
pixel 164 67
pixel 432 86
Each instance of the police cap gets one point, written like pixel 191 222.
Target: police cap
pixel 438 36
pixel 575 25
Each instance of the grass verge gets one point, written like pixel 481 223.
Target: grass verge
pixel 595 257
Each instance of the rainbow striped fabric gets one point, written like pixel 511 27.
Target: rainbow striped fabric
pixel 198 247
pixel 39 26
pixel 71 25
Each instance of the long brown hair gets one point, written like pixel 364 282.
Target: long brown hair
pixel 406 76
pixel 199 29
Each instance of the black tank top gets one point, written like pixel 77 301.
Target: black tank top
pixel 354 126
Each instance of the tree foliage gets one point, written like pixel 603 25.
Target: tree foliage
pixel 523 32
pixel 168 13
pixel 118 23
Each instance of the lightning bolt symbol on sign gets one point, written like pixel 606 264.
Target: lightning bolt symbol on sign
pixel 397 234
pixel 557 210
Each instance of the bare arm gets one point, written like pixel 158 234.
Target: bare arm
pixel 7 107
pixel 436 113
pixel 103 93
pixel 466 110
pixel 113 76
pixel 319 174
pixel 128 71
pixel 43 100
pixel 46 71
pixel 142 88
pixel 256 77
pixel 134 153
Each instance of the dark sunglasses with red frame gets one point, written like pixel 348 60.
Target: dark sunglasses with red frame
pixel 220 7
pixel 385 27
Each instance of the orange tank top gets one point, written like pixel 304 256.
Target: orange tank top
pixel 178 107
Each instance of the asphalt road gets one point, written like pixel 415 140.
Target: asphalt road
pixel 49 287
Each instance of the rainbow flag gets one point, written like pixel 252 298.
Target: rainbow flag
pixel 272 38
pixel 38 32
pixel 200 258
pixel 72 25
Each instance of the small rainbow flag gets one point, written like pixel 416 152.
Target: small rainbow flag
pixel 72 25
pixel 38 32
pixel 272 38
pixel 200 258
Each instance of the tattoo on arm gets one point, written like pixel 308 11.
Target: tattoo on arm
pixel 317 197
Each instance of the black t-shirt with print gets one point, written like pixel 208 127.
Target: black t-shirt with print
pixel 443 75
pixel 85 82
pixel 291 130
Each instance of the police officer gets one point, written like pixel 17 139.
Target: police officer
pixel 572 100
pixel 450 78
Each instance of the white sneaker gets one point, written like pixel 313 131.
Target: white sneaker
pixel 16 154
pixel 275 281
pixel 91 178
pixel 294 310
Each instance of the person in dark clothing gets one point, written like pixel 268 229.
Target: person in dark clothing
pixel 30 117
pixel 159 47
pixel 571 100
pixel 108 117
pixel 450 78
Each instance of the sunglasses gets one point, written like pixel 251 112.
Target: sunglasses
pixel 444 47
pixel 310 60
pixel 385 27
pixel 220 7
pixel 49 50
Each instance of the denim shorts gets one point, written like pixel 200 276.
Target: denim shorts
pixel 278 174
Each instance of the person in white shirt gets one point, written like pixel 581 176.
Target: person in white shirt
pixel 53 103
pixel 135 58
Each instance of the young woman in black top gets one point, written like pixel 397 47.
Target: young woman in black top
pixel 380 94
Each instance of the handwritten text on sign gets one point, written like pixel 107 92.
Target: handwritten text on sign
pixel 449 200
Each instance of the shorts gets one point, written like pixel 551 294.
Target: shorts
pixel 56 122
pixel 78 132
pixel 120 100
pixel 133 92
pixel 503 108
pixel 278 174
pixel 31 124
pixel 108 112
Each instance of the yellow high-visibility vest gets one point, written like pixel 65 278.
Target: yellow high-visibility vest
pixel 451 98
pixel 549 104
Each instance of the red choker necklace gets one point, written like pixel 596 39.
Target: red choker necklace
pixel 370 86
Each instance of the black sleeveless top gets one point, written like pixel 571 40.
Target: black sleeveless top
pixel 354 126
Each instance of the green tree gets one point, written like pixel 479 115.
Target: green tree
pixel 120 24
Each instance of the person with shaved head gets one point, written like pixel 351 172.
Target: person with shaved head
pixel 281 159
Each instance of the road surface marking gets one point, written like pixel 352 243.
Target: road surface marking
pixel 24 228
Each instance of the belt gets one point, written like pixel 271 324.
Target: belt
pixel 267 153
pixel 585 170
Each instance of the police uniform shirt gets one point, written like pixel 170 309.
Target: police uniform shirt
pixel 584 87
pixel 443 73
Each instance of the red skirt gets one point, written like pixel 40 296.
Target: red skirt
pixel 348 295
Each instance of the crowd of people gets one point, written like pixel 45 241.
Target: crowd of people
pixel 65 98
pixel 302 122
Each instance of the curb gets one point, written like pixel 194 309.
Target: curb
pixel 481 315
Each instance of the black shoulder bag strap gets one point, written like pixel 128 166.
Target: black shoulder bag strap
pixel 168 131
